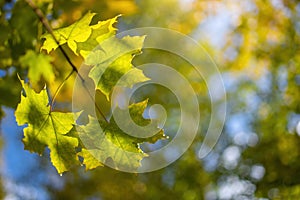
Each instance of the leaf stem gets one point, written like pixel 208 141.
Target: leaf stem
pixel 97 107
pixel 46 24
pixel 59 88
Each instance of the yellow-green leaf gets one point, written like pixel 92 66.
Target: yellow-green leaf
pixel 39 66
pixel 100 32
pixel 46 128
pixel 79 31
pixel 113 61
pixel 110 142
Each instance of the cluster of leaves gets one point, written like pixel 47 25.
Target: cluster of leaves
pixel 110 58
pixel 262 45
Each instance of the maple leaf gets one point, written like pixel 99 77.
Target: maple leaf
pixel 100 32
pixel 90 161
pixel 79 31
pixel 113 61
pixel 46 128
pixel 39 67
pixel 111 142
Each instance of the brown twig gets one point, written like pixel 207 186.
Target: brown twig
pixel 46 24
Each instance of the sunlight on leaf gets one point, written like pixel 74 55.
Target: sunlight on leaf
pixel 112 142
pixel 39 67
pixel 46 128
pixel 80 31
pixel 114 61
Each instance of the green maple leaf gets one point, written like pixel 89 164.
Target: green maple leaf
pixel 113 61
pixel 100 32
pixel 39 67
pixel 79 31
pixel 110 142
pixel 46 128
pixel 90 161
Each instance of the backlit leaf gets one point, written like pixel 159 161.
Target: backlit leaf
pixel 39 67
pixel 100 32
pixel 79 31
pixel 46 128
pixel 113 61
pixel 107 141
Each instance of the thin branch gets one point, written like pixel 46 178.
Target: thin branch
pixel 46 24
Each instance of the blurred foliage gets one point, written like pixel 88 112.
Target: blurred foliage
pixel 259 55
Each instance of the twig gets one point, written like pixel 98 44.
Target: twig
pixel 46 24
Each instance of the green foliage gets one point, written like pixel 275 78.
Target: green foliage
pixel 259 53
pixel 81 36
pixel 100 32
pixel 18 34
pixel 80 31
pixel 112 142
pixel 10 95
pixel 39 67
pixel 113 61
pixel 56 130
pixel 46 128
